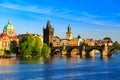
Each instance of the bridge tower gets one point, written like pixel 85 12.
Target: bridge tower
pixel 48 34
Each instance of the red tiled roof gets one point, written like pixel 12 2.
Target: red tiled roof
pixel 4 34
pixel 64 39
pixel 13 37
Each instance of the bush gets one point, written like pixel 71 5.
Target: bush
pixel 45 50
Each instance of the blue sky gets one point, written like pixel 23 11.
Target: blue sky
pixel 90 18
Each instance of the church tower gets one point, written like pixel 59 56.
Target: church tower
pixel 48 34
pixel 69 33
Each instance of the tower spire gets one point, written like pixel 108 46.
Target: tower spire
pixel 48 24
pixel 69 28
pixel 69 33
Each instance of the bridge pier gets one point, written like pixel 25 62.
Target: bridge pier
pixel 83 54
pixel 105 51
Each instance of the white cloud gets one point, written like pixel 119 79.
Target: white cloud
pixel 63 13
pixel 90 15
pixel 29 8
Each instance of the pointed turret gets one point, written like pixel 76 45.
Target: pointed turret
pixel 48 24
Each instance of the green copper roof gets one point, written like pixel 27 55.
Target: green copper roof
pixel 9 26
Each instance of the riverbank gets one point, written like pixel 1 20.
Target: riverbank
pixel 8 56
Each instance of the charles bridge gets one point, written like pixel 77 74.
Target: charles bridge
pixel 84 50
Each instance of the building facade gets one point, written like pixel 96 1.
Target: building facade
pixel 56 41
pixel 7 36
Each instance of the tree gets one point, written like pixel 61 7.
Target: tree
pixel 45 50
pixel 25 45
pixel 30 45
pixel 37 46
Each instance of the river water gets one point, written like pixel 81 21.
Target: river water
pixel 61 68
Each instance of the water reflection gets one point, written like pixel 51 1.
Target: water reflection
pixel 8 61
pixel 44 60
pixel 60 68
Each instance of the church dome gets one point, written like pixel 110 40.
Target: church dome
pixel 9 26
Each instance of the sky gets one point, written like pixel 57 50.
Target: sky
pixel 89 18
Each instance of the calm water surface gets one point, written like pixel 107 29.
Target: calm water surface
pixel 61 68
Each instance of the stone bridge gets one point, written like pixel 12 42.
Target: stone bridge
pixel 84 51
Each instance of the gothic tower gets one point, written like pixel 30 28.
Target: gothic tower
pixel 48 34
pixel 69 33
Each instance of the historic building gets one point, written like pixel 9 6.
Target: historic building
pixel 73 42
pixel 48 34
pixel 56 41
pixel 90 42
pixel 8 35
pixel 64 42
pixel 69 33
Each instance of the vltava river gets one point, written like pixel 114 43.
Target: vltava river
pixel 61 68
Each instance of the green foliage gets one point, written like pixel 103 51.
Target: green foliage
pixel 13 47
pixel 8 52
pixel 2 52
pixel 116 43
pixel 45 50
pixel 37 46
pixel 30 45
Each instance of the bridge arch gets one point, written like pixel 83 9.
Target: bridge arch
pixel 112 49
pixel 56 51
pixel 92 54
pixel 70 51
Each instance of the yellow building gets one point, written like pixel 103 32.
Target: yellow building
pixel 8 35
